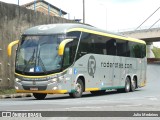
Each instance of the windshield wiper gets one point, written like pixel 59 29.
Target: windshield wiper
pixel 31 59
pixel 40 61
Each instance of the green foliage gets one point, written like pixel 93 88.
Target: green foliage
pixel 156 52
pixel 8 91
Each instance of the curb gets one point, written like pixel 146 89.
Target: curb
pixel 15 95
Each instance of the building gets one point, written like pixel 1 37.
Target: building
pixel 45 7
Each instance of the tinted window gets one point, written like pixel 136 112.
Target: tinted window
pixel 68 56
pixel 70 49
pixel 111 47
pixel 100 44
pixel 143 50
pixel 137 50
pixel 86 45
pixel 121 47
pixel 96 44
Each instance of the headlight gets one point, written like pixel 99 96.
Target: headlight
pixel 17 80
pixel 53 80
pixel 16 87
pixel 61 78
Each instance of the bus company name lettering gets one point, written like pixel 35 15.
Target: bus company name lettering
pixel 116 65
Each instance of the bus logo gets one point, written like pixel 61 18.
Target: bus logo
pixel 91 65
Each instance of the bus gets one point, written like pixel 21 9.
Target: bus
pixel 76 58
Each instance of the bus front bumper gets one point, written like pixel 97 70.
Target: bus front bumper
pixel 43 91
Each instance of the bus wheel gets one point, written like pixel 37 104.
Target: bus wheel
pixel 133 85
pixel 100 92
pixel 79 89
pixel 127 85
pixel 39 96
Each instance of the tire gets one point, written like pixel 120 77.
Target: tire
pixel 79 89
pixel 100 92
pixel 39 96
pixel 133 85
pixel 127 85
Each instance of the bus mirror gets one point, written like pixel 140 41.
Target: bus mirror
pixel 62 46
pixel 11 45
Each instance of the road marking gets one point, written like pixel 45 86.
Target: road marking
pixel 152 98
pixel 129 105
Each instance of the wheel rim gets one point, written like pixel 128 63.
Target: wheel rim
pixel 78 88
pixel 127 85
pixel 134 84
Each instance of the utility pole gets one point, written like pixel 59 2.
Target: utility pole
pixel 83 11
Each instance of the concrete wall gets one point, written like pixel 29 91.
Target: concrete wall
pixel 13 21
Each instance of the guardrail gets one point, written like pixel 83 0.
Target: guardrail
pixel 153 60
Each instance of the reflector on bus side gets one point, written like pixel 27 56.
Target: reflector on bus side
pixel 62 46
pixel 11 45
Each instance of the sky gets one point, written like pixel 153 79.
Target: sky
pixel 110 15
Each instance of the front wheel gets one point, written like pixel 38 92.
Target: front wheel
pixel 79 89
pixel 39 96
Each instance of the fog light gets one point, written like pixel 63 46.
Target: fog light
pixel 17 80
pixel 16 87
pixel 55 88
pixel 53 80
pixel 61 78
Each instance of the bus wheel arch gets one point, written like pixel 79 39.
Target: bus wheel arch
pixel 136 80
pixel 80 87
pixel 133 83
pixel 83 80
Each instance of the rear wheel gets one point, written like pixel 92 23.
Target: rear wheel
pixel 127 86
pixel 79 89
pixel 39 96
pixel 133 85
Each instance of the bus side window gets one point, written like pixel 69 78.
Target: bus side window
pixel 121 47
pixel 111 47
pixel 68 56
pixel 143 51
pixel 86 45
pixel 127 49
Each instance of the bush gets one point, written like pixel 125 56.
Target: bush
pixel 156 52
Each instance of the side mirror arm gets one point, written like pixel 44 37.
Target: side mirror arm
pixel 62 46
pixel 9 50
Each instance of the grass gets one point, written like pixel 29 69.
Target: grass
pixel 156 52
pixel 7 91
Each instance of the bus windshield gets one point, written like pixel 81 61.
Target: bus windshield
pixel 39 54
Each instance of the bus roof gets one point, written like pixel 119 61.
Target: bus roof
pixel 67 27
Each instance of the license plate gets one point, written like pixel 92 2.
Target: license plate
pixel 34 89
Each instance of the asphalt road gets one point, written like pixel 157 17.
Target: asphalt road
pixel 143 99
